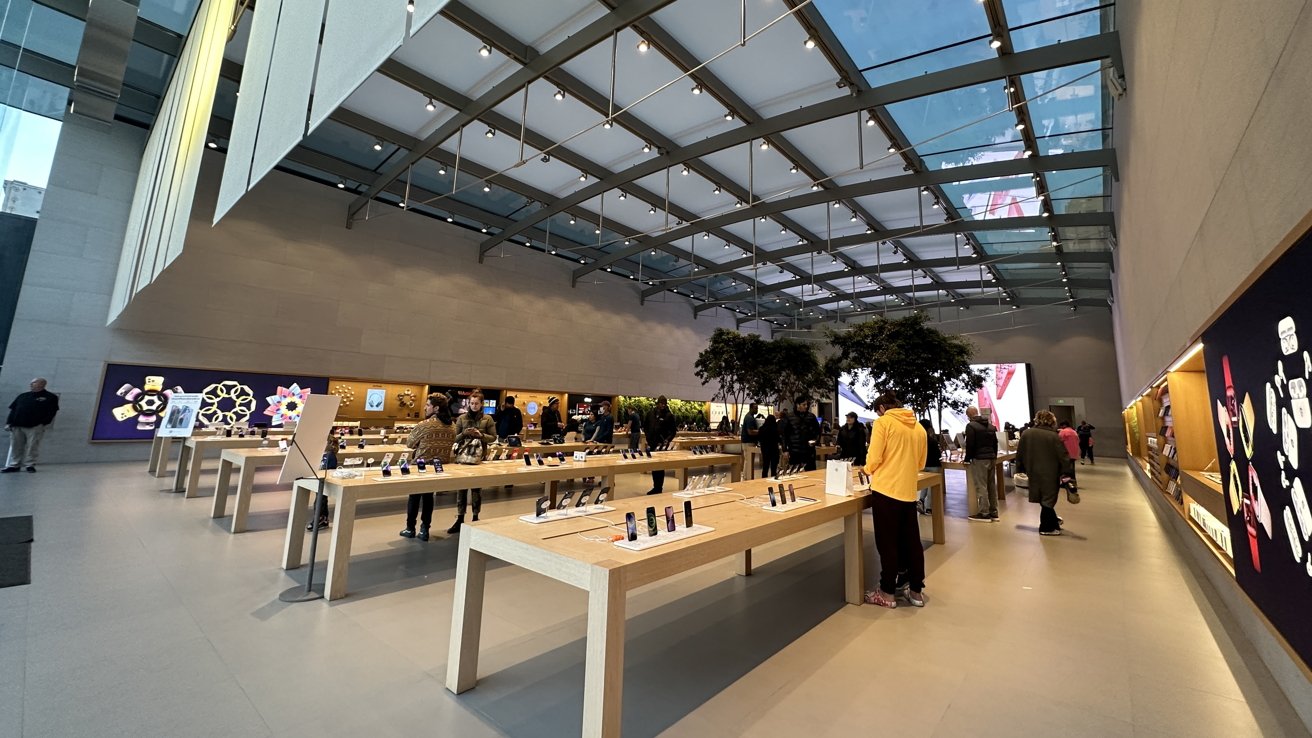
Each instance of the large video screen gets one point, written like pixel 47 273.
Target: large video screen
pixel 1005 396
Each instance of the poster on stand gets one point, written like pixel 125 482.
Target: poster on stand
pixel 1258 356
pixel 1006 396
pixel 180 415
pixel 134 399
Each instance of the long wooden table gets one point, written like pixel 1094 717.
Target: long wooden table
pixel 193 453
pixel 998 469
pixel 161 448
pixel 347 493
pixel 246 461
pixel 752 451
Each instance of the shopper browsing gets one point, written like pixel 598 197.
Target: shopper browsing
pixel 661 429
pixel 981 455
pixel 933 463
pixel 800 431
pixel 1085 432
pixel 751 426
pixel 551 426
pixel 1043 458
pixel 852 440
pixel 510 421
pixel 896 454
pixel 30 414
pixel 1071 440
pixel 431 439
pixel 768 438
pixel 476 426
pixel 603 428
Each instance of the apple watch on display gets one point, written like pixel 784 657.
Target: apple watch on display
pixel 540 507
pixel 601 496
pixel 564 501
pixel 631 524
pixel 583 499
pixel 651 521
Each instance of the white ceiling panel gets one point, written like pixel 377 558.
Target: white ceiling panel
pixel 444 52
pixel 576 126
pixel 394 105
pixel 541 25
pixel 832 146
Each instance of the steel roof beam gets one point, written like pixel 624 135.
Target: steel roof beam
pixel 1072 52
pixel 597 31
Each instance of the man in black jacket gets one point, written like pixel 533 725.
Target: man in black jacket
pixel 661 428
pixel 29 415
pixel 852 441
pixel 800 431
pixel 981 454
pixel 510 421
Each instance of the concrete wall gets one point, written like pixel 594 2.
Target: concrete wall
pixel 1215 153
pixel 1072 358
pixel 280 285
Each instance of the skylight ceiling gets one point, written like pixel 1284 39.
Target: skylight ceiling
pixel 993 148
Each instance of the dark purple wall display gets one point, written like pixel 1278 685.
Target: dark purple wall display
pixel 1259 365
pixel 132 397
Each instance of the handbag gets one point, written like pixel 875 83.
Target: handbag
pixel 1072 492
pixel 1021 479
pixel 470 451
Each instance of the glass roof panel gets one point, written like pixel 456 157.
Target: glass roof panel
pixel 1070 19
pixel 40 29
pixel 1065 99
pixel 880 33
pixel 963 118
pixel 148 70
pixel 175 15
pixel 348 144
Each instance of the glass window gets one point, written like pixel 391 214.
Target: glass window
pixel 27 149
pixel 148 70
pixel 175 15
pixel 40 29
pixel 1065 99
pixel 1056 31
pixel 876 33
pixel 34 95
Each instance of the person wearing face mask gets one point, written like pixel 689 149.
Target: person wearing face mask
pixel 431 439
pixel 898 448
pixel 473 424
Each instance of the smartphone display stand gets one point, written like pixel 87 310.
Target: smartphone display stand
pixel 788 507
pixel 428 472
pixel 694 488
pixel 789 478
pixel 551 516
pixel 680 533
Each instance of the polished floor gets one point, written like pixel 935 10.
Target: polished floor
pixel 146 618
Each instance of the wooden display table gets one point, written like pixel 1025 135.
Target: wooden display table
pixel 752 452
pixel 998 464
pixel 607 573
pixel 193 453
pixel 162 448
pixel 247 460
pixel 347 493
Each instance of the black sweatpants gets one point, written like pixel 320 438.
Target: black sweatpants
pixel 413 507
pixel 769 462
pixel 897 539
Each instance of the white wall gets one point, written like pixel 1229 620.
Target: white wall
pixel 281 285
pixel 1215 154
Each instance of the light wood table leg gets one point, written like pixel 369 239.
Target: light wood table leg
pixel 220 506
pixel 553 489
pixel 293 551
pixel 339 550
pixel 184 461
pixel 1002 480
pixel 193 476
pixel 466 618
pixel 603 672
pixel 736 471
pixel 245 484
pixel 853 560
pixel 155 444
pixel 938 499
pixel 609 482
pixel 165 451
pixel 745 564
pixel 971 507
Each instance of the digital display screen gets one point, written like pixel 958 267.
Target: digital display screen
pixel 1005 396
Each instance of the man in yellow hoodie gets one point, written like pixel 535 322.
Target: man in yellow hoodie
pixel 893 461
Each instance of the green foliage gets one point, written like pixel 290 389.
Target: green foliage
pixel 907 356
pixel 684 411
pixel 790 368
pixel 746 367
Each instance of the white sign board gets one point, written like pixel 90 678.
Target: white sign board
pixel 180 416
pixel 311 438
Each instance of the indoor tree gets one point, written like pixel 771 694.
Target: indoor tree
pixel 790 368
pixel 734 361
pixel 921 364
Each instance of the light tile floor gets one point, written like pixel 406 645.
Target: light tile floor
pixel 146 618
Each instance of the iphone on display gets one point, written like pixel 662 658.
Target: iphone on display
pixel 631 523
pixel 770 491
pixel 792 494
pixel 669 518
pixel 651 521
pixel 687 513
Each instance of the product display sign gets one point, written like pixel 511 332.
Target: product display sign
pixel 374 399
pixel 1005 397
pixel 134 399
pixel 1259 364
pixel 180 415
pixel 460 398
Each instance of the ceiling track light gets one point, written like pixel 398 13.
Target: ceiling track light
pixel 560 94
pixel 892 149
pixel 1028 153
pixel 651 210
pixel 571 220
pixel 765 145
pixel 583 176
pixel 697 89
pixel 441 170
pixel 870 119
pixel 212 144
pixel 995 42
pixel 809 43
pixel 624 195
pixel 1020 126
pixel 410 6
pixel 643 46
pixel 792 169
pixel 716 191
pixel 705 236
pixel 430 106
pixel 490 133
pixel 646 148
pixel 546 158
pixel 485 50
pixel 607 125
pixel 341 184
pixel 378 145
pixel 728 115
pixel 815 186
pixel 684 171
pixel 487 188
pixel 449 219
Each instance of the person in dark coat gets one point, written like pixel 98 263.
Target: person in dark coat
pixel 30 414
pixel 661 429
pixel 1043 457
pixel 852 440
pixel 551 426
pixel 768 437
pixel 801 430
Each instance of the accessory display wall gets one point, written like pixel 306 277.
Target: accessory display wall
pixel 1259 364
pixel 133 397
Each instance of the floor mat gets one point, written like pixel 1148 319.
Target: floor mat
pixel 16 551
pixel 17 529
